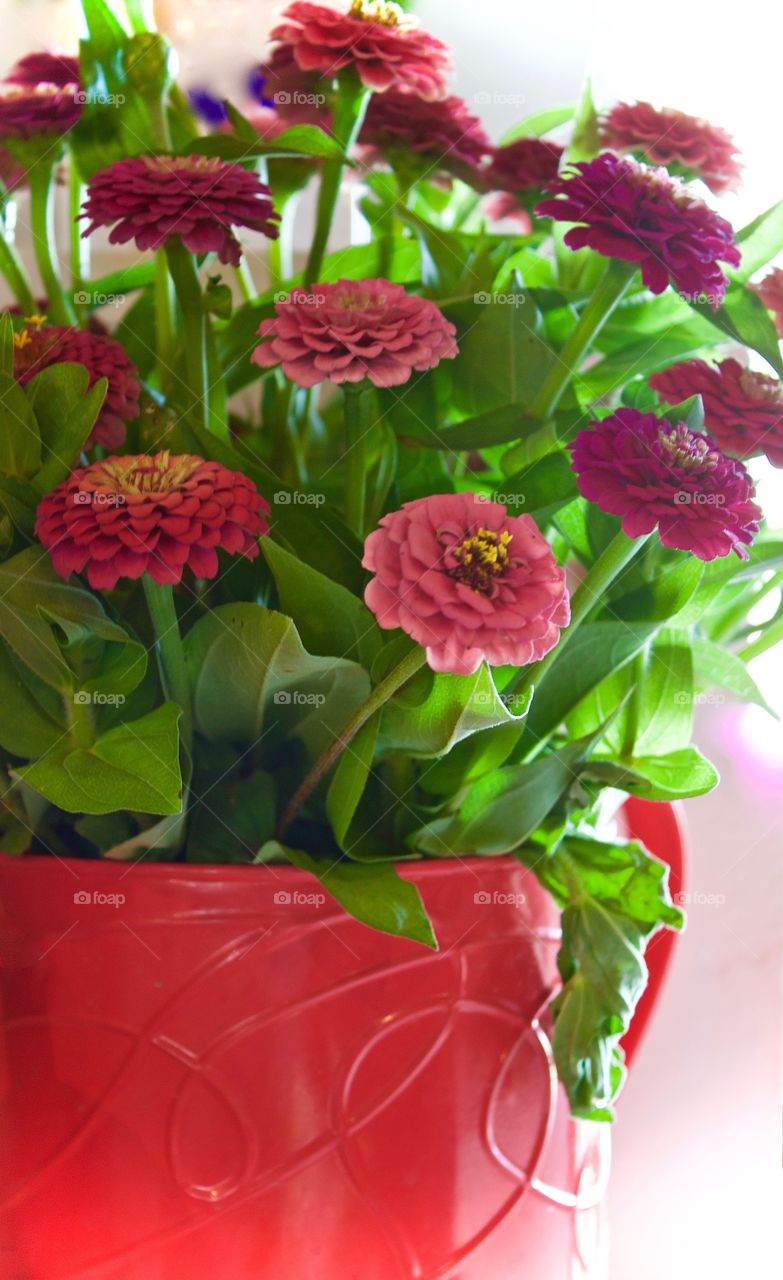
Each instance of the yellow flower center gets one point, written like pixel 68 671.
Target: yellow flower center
pixel 381 11
pixel 145 475
pixel 759 386
pixel 482 557
pixel 687 451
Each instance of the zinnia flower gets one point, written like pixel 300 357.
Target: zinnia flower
pixel 467 581
pixel 444 133
pixel 36 347
pixel 60 69
pixel 296 96
pixel 355 329
pixel 770 290
pixel 682 143
pixel 642 215
pixel 652 472
pixel 126 516
pixel 743 409
pixel 517 169
pixel 378 38
pixel 45 109
pixel 196 199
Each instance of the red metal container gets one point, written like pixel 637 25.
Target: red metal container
pixel 213 1073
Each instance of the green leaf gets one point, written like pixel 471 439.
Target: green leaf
pixel 66 414
pixel 717 667
pixel 299 140
pixel 134 766
pixel 330 619
pixel 502 352
pixel 372 892
pixel 674 776
pixel 760 241
pixel 665 596
pixel 503 810
pixel 536 125
pixel 20 440
pixel 350 778
pixel 585 138
pixel 432 713
pixel 745 319
pixel 6 345
pixel 26 727
pixel 541 489
pixel 247 667
pixel 615 896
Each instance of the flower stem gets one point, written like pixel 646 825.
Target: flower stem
pixel 609 291
pixel 194 322
pixel 357 400
pixel 58 307
pixel 12 269
pixel 352 99
pixel 79 246
pixel 397 677
pixel 588 596
pixel 164 321
pixel 170 654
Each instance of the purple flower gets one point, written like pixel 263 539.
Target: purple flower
pixel 651 472
pixel 628 211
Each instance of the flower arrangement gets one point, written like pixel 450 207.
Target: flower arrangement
pixel 422 549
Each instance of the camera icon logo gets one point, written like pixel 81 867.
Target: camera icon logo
pixel 682 498
pixel 82 898
pixel 281 498
pixel 482 898
pixel 82 698
pixel 282 898
pixel 82 497
pixel 282 698
pixel 281 295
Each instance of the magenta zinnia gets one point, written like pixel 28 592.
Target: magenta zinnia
pixel 36 347
pixel 528 165
pixel 467 581
pixel 651 472
pixel 60 69
pixel 126 516
pixel 683 143
pixel 444 133
pixel 642 215
pixel 743 409
pixel 383 43
pixel 195 199
pixel 355 329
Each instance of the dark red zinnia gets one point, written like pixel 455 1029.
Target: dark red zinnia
pixel 516 173
pixel 443 132
pixel 628 211
pixel 383 43
pixel 743 409
pixel 33 69
pixel 196 199
pixel 123 517
pixel 683 143
pixel 36 347
pixel 651 472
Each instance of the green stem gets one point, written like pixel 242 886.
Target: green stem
pixel 81 727
pixel 352 99
pixel 244 278
pixel 588 596
pixel 14 272
pixel 380 695
pixel 79 246
pixel 58 307
pixel 357 403
pixel 610 289
pixel 170 654
pixel 186 284
pixel 164 321
pixel 140 15
pixel 764 642
pixel 633 706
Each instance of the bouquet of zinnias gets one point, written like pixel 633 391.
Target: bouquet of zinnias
pixel 418 550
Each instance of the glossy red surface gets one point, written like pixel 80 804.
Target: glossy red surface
pixel 222 1078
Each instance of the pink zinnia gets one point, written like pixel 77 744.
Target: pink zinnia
pixel 126 516
pixel 743 409
pixel 38 347
pixel 444 133
pixel 379 39
pixel 196 199
pixel 770 290
pixel 467 581
pixel 355 329
pixel 685 144
pixel 528 165
pixel 642 215
pixel 651 472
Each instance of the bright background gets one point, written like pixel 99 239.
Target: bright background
pixel 696 1142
